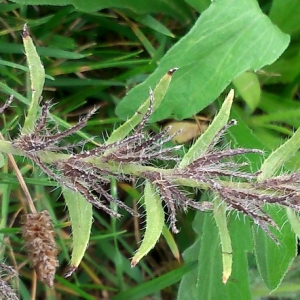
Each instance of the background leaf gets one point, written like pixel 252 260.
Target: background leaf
pixel 178 9
pixel 248 87
pixel 284 13
pixel 274 260
pixel 206 281
pixel 217 49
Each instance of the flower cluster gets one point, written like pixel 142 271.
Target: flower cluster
pixel 216 170
pixel 38 233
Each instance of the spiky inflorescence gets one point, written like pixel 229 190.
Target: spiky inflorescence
pixel 80 174
pixel 6 292
pixel 76 173
pixel 38 233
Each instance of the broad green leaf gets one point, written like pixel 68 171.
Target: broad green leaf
pixel 285 14
pixel 248 87
pixel 179 9
pixel 154 222
pixel 216 50
pixel 267 253
pixel 81 215
pixel 37 79
pixel 158 94
pixel 206 281
pixel 209 277
pixel 200 146
pixel 274 260
pixel 238 285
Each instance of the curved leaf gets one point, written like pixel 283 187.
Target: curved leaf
pixel 200 146
pixel 158 95
pixel 154 222
pixel 81 215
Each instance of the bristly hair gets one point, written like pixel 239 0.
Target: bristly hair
pixel 6 292
pixel 215 170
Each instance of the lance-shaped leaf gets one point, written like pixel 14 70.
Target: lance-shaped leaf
pixel 154 222
pixel 158 95
pixel 278 157
pixel 203 142
pixel 37 80
pixel 81 215
pixel 221 221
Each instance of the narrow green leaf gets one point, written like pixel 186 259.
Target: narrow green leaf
pixel 294 221
pixel 43 51
pixel 200 146
pixel 216 50
pixel 278 157
pixel 2 161
pixel 37 79
pixel 159 93
pixel 154 24
pixel 221 221
pixel 171 242
pixel 178 9
pixel 81 215
pixel 157 284
pixel 154 222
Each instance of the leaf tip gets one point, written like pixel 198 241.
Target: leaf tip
pixel 134 262
pixel 70 271
pixel 225 278
pixel 230 96
pixel 172 71
pixel 25 32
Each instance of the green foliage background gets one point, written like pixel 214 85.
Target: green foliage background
pixel 96 53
